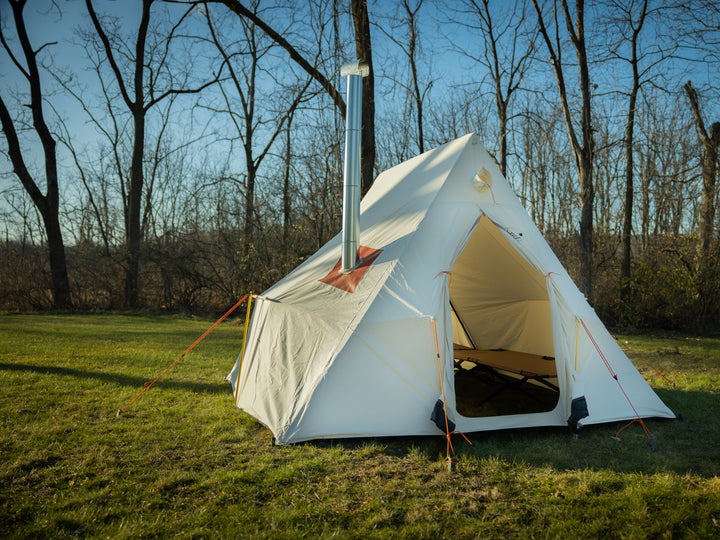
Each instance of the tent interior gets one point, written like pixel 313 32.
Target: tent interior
pixel 502 329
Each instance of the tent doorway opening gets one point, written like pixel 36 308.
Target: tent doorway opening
pixel 502 329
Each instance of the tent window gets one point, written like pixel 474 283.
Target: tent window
pixel 502 330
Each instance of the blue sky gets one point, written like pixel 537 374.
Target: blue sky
pixel 439 64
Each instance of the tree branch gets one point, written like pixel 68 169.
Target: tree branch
pixel 557 67
pixel 695 107
pixel 16 158
pixel 7 48
pixel 109 53
pixel 236 7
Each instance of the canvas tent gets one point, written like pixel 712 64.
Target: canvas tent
pixel 447 252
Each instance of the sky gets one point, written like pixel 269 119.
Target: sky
pixel 58 22
pixel 440 64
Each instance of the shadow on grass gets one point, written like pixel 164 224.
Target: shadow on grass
pixel 115 378
pixel 682 446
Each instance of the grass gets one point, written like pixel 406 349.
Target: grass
pixel 183 462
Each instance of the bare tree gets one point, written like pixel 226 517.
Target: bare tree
pixel 410 47
pixel 417 94
pixel 635 28
pixel 668 176
pixel 508 49
pixel 363 49
pixel 628 21
pixel 710 140
pixel 48 203
pixel 140 92
pixel 244 67
pixel 544 167
pixel 583 143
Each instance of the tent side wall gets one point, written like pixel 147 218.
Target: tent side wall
pixel 304 325
pixel 286 353
pixel 614 388
pixel 565 304
pixel 383 383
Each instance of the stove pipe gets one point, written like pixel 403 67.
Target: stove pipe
pixel 354 71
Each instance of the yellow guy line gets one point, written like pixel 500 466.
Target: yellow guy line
pixel 242 351
pixel 577 340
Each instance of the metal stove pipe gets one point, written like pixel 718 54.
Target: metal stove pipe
pixel 354 71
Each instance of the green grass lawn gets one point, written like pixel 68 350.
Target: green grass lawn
pixel 183 462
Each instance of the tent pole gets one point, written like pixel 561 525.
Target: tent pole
pixel 242 350
pixel 577 341
pixel 462 324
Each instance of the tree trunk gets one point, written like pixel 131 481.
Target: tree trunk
pixel 363 50
pixel 134 228
pixel 586 159
pixel 502 106
pixel 58 264
pixel 706 230
pixel 646 179
pixel 584 150
pixel 249 219
pixel 629 195
pixel 707 203
pixel 706 271
pixel 286 186
pixel 587 195
pixel 48 204
pixel 136 105
pixel 625 263
pixel 711 143
pixel 412 59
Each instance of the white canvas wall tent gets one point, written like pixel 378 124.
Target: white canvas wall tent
pixel 447 249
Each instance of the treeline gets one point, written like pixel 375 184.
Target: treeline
pixel 206 273
pixel 192 152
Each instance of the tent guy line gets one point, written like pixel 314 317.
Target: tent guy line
pixel 148 385
pixel 451 460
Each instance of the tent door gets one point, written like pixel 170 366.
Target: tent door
pixel 502 329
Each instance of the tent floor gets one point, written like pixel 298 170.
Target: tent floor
pixel 490 393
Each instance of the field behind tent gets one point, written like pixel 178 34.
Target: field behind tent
pixel 183 462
